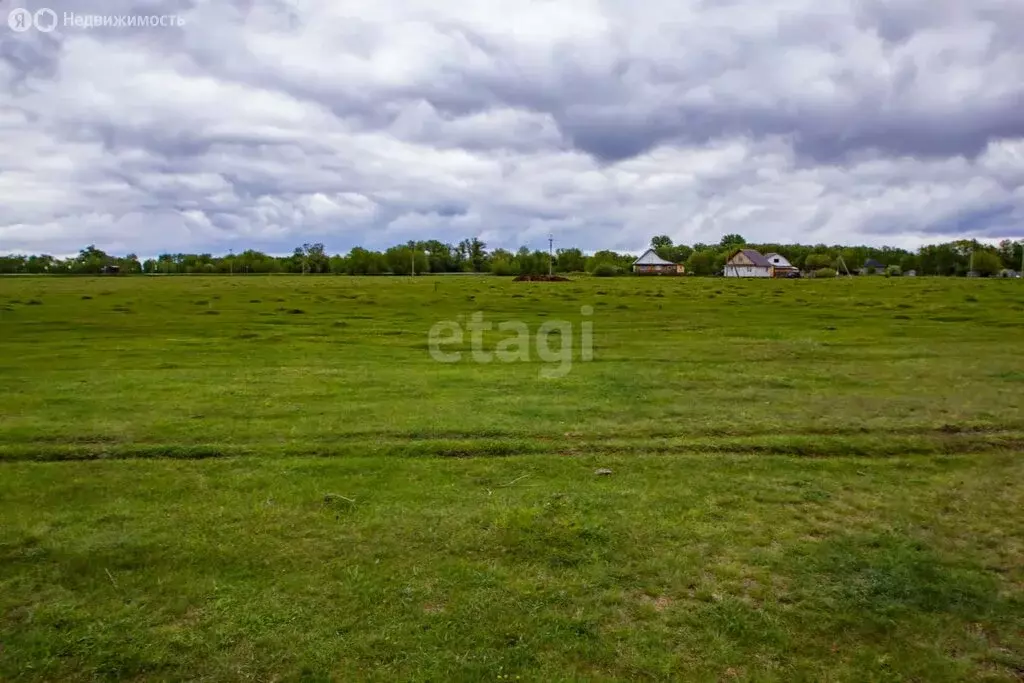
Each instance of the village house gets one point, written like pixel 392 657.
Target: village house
pixel 748 263
pixel 871 266
pixel 781 267
pixel 652 264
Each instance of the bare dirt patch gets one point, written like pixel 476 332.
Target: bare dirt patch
pixel 541 278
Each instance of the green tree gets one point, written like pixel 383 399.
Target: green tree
pixel 12 263
pixel 570 261
pixel 701 262
pixel 503 262
pixel 439 256
pixel 129 265
pixel 732 241
pixel 662 246
pixel 399 260
pixel 1011 254
pixel 364 262
pixel 817 261
pixel 478 255
pixel 622 261
pixel 679 253
pixel 315 259
pixel 987 263
pixel 909 262
pixel 91 261
pixel 42 264
pixel 531 263
pixel 941 259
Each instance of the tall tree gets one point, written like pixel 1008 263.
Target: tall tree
pixel 91 261
pixel 477 255
pixel 701 262
pixel 570 261
pixel 987 263
pixel 662 245
pixel 314 258
pixel 732 241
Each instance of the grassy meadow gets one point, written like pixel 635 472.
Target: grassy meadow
pixel 271 478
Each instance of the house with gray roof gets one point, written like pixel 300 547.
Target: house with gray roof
pixel 748 263
pixel 873 266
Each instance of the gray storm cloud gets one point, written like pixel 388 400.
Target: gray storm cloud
pixel 270 124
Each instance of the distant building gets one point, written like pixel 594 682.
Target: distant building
pixel 652 264
pixel 873 266
pixel 781 267
pixel 1006 272
pixel 748 263
pixel 910 273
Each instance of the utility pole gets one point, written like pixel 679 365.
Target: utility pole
pixel 551 254
pixel 842 262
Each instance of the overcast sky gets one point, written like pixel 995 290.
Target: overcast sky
pixel 266 124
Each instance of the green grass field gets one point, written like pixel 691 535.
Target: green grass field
pixel 270 478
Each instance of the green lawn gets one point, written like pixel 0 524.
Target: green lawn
pixel 270 478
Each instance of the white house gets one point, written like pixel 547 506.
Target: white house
pixel 748 263
pixel 782 266
pixel 652 264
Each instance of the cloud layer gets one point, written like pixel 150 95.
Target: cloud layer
pixel 267 124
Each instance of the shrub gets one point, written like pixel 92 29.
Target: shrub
pixel 503 267
pixel 817 261
pixel 893 271
pixel 825 272
pixel 605 270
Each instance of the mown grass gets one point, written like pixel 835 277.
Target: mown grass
pixel 339 365
pixel 811 481
pixel 672 568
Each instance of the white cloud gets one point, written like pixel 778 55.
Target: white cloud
pixel 602 121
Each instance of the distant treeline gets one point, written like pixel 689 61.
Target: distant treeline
pixel 472 256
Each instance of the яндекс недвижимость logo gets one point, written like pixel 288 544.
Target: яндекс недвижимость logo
pixel 45 20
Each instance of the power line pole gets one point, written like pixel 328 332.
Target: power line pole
pixel 551 254
pixel 842 262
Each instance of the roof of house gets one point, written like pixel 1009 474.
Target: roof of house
pixel 651 258
pixel 872 263
pixel 783 261
pixel 755 257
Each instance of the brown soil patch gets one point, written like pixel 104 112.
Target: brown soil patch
pixel 541 278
